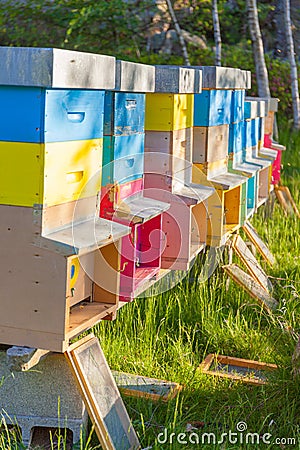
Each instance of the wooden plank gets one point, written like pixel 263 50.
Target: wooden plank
pixel 245 370
pixel 286 200
pixel 144 387
pixel 85 315
pixel 243 252
pixel 251 287
pixel 258 242
pixel 101 395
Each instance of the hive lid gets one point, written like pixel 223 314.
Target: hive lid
pixel 134 77
pixel 216 77
pixel 176 79
pixel 56 68
pixel 140 209
pixel 87 236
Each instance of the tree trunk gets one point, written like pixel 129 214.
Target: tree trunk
pixel 258 50
pixel 179 33
pixel 291 56
pixel 217 32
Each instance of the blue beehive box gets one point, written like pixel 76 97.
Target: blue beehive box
pixel 254 132
pixel 251 194
pixel 124 113
pixel 247 140
pixel 123 158
pixel 236 137
pixel 50 115
pixel 212 107
pixel 237 106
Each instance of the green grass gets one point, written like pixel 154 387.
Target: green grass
pixel 168 335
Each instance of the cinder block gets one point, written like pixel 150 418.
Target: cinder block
pixel 134 77
pixel 47 396
pixel 56 68
pixel 178 80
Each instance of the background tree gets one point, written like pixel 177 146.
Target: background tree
pixel 291 56
pixel 179 33
pixel 217 33
pixel 258 50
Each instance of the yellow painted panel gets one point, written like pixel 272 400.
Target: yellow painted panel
pixel 72 170
pixel 169 112
pixel 183 111
pixel 21 171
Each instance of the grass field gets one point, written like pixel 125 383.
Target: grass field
pixel 168 335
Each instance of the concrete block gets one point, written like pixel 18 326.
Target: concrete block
pixel 176 79
pixel 47 396
pixel 134 77
pixel 56 68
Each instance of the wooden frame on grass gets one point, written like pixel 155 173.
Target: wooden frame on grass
pixel 286 200
pixel 245 365
pixel 253 266
pixel 134 385
pixel 251 286
pixel 259 244
pixel 101 395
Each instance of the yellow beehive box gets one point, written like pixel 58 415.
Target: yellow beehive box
pixel 169 112
pixel 49 174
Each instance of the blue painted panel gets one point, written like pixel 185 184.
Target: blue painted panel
pixel 247 110
pixel 127 158
pixel 212 108
pixel 251 192
pixel 238 158
pixel 21 114
pixel 107 161
pixel 124 113
pixel 261 129
pixel 236 137
pixel 237 106
pixel 254 131
pixel 247 134
pixel 72 115
pixel 39 115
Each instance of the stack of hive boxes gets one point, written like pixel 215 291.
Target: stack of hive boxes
pixel 270 147
pixel 218 113
pixel 56 251
pixel 168 164
pixel 122 198
pixel 255 112
pixel 238 162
